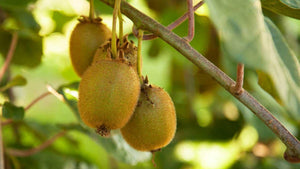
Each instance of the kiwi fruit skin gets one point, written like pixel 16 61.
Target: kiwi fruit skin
pixel 127 51
pixel 86 37
pixel 108 94
pixel 153 124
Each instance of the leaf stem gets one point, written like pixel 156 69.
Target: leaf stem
pixel 144 22
pixel 9 55
pixel 92 10
pixel 139 55
pixel 114 27
pixel 25 153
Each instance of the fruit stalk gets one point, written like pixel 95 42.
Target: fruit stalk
pixel 91 9
pixel 120 27
pixel 139 55
pixel 114 27
pixel 144 22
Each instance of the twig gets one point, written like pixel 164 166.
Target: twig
pixel 144 22
pixel 237 88
pixel 3 123
pixel 191 21
pixel 172 26
pixel 91 15
pixel 9 55
pixel 25 153
pixel 36 100
pixel 55 93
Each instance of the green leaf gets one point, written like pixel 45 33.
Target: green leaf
pixel 13 4
pixel 28 51
pixel 16 81
pixel 247 37
pixel 11 111
pixel 70 94
pixel 118 147
pixel 289 8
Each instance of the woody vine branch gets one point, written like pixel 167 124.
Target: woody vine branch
pixel 144 22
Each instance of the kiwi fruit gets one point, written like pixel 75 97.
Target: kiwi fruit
pixel 108 94
pixel 86 37
pixel 153 123
pixel 127 51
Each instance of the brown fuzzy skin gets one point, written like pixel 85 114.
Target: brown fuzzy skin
pixel 127 51
pixel 153 124
pixel 108 93
pixel 86 37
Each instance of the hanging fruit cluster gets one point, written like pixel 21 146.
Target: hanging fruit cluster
pixel 112 93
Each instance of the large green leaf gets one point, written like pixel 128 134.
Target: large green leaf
pixel 289 8
pixel 248 38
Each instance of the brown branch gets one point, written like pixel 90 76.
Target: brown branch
pixel 144 22
pixel 191 21
pixel 36 100
pixel 237 88
pixel 9 55
pixel 172 26
pixel 29 152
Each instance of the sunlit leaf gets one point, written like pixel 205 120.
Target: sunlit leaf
pixel 289 8
pixel 249 38
pixel 11 111
pixel 70 94
pixel 16 81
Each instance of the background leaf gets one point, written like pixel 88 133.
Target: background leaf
pixel 289 8
pixel 248 37
pixel 16 81
pixel 11 111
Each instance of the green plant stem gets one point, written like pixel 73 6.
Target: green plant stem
pixel 114 27
pixel 144 22
pixel 139 55
pixel 92 10
pixel 120 27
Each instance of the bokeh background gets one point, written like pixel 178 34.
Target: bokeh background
pixel 214 130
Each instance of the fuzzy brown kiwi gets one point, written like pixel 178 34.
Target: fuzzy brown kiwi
pixel 86 37
pixel 108 94
pixel 127 51
pixel 153 124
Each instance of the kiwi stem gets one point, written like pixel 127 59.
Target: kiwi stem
pixel 91 9
pixel 114 27
pixel 139 55
pixel 120 27
pixel 238 87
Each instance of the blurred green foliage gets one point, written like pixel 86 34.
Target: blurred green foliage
pixel 214 130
